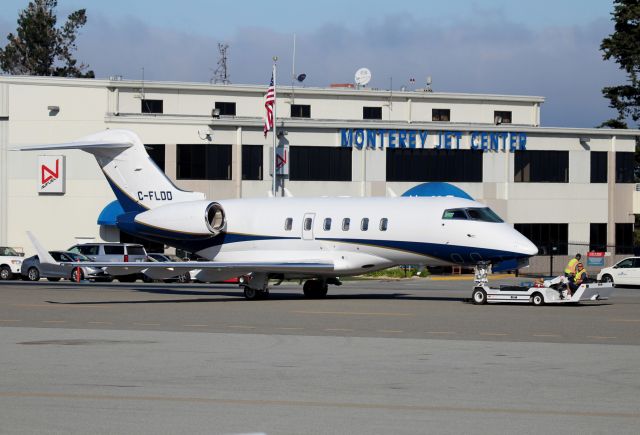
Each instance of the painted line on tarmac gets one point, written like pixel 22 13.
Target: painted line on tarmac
pixel 625 320
pixel 338 330
pixel 100 323
pixel 290 329
pixel 320 404
pixel 601 337
pixel 10 320
pixel 57 305
pixel 547 335
pixel 391 331
pixel 54 321
pixel 195 326
pixel 355 313
pixel 494 334
pixel 240 326
pixel 441 332
pixel 146 324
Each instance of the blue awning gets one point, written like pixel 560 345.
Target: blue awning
pixel 437 189
pixel 109 214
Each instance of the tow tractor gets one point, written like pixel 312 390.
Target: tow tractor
pixel 552 291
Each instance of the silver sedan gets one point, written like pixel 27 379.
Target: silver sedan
pixel 33 270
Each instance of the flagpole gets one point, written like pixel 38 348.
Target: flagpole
pixel 275 135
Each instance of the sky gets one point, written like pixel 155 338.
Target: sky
pixel 543 48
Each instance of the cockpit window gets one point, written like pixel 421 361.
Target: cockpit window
pixel 477 214
pixel 454 213
pixel 483 214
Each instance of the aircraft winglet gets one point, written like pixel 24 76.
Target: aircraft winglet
pixel 43 254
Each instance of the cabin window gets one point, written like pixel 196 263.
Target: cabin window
pixel 327 224
pixel 346 222
pixel 384 222
pixel 364 224
pixel 307 224
pixel 288 224
pixel 454 213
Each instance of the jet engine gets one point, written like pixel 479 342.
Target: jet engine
pixel 203 218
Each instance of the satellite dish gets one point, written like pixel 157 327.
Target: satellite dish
pixel 363 76
pixel 301 77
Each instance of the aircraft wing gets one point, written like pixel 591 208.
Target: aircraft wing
pixel 154 268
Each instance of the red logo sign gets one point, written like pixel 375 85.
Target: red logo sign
pixel 48 174
pixel 281 160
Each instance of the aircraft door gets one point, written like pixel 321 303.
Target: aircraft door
pixel 307 226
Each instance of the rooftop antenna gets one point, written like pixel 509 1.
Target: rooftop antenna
pixel 221 74
pixel 141 94
pixel 429 81
pixel 293 70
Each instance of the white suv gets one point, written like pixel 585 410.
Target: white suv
pixel 10 263
pixel 624 272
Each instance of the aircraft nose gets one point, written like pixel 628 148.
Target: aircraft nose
pixel 524 246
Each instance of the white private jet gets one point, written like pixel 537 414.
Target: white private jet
pixel 315 239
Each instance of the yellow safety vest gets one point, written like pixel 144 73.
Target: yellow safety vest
pixel 571 266
pixel 579 275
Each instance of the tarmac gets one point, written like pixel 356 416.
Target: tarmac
pixel 407 356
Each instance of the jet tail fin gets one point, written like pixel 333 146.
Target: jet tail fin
pixel 43 254
pixel 135 179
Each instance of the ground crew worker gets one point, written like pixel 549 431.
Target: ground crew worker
pixel 570 270
pixel 577 279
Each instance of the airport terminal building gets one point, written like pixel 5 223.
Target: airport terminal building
pixel 568 189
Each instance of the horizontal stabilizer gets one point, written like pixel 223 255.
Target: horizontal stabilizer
pixel 81 145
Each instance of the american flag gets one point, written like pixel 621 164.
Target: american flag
pixel 269 101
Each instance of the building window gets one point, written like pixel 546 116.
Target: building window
pixel 319 163
pixel 598 166
pixel 549 238
pixel 327 224
pixel 417 164
pixel 541 166
pixel 346 223
pixel 364 224
pixel 372 112
pixel 203 162
pixel 288 224
pixel 598 237
pixel 624 239
pixel 384 223
pixel 151 106
pixel 441 115
pixel 252 162
pixel 624 167
pixel 156 152
pixel 502 117
pixel 226 108
pixel 300 111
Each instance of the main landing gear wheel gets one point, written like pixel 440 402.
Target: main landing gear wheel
pixel 479 296
pixel 253 294
pixel 537 299
pixel 315 289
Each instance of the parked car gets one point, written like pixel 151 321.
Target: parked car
pixel 33 270
pixel 114 252
pixel 624 272
pixel 10 263
pixel 184 278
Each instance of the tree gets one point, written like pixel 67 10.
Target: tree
pixel 623 46
pixel 42 49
